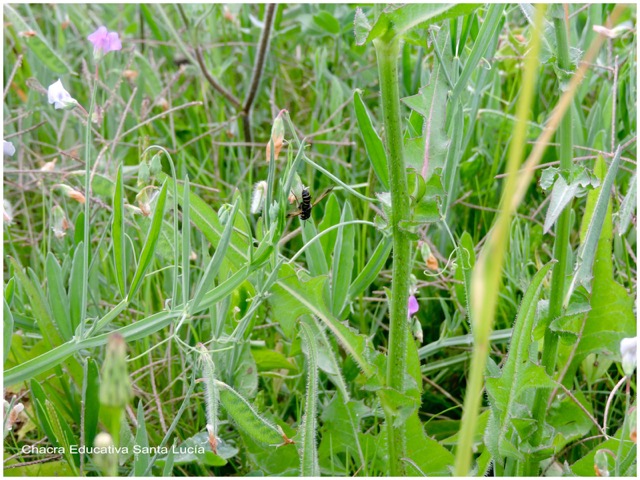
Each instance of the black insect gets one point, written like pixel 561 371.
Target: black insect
pixel 305 205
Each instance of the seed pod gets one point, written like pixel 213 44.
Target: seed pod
pixel 246 417
pixel 210 395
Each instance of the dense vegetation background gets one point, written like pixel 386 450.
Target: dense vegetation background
pixel 199 303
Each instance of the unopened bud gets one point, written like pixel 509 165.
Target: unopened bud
pixel 601 464
pixel 277 137
pixel 258 196
pixel 60 224
pixel 71 192
pixel 105 458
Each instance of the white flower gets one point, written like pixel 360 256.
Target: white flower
pixel 629 354
pixel 259 194
pixel 8 148
pixel 60 97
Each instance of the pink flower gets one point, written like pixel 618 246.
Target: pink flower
pixel 104 41
pixel 413 305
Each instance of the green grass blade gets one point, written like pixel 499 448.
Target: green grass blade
pixel 216 261
pixel 487 31
pixel 7 332
pixel 37 43
pixel 117 230
pixel 141 460
pixel 343 258
pixel 371 270
pixel 39 306
pixel 76 279
pixel 316 259
pixel 186 241
pixel 58 300
pixel 148 250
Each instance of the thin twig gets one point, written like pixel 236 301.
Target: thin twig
pixel 608 405
pixel 214 83
pixel 583 408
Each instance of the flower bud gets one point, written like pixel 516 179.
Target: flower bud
pixel 8 149
pixel 277 137
pixel 629 354
pixel 601 463
pixel 115 388
pixel 71 192
pixel 106 459
pixel 60 224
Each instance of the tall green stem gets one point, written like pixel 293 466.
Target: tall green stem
pixel 87 205
pixel 387 50
pixel 487 273
pixel 560 248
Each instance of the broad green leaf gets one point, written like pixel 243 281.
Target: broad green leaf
pixel 427 454
pixel 431 103
pixel 330 218
pixel 327 22
pixel 292 298
pixel 148 250
pixel 372 142
pixel 609 299
pixel 267 359
pixel 399 19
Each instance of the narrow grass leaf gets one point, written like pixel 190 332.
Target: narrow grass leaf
pixel 148 250
pixel 77 278
pixel 39 306
pixel 371 270
pixel 623 218
pixel 372 142
pixel 7 332
pixel 37 43
pixel 216 260
pixel 316 259
pixel 141 460
pixel 186 240
pixel 118 234
pixel 58 300
pixel 91 400
pixel 343 258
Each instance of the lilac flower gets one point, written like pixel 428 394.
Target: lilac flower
pixel 413 305
pixel 8 149
pixel 60 97
pixel 104 42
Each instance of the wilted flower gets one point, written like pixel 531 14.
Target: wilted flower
pixel 60 97
pixel 413 305
pixel 130 75
pixel 277 137
pixel 417 331
pixel 104 42
pixel 145 197
pixel 7 212
pixel 49 166
pixel 613 32
pixel 60 224
pixel 8 149
pixel 213 441
pixel 258 196
pixel 71 192
pixel 629 354
pixel 15 412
